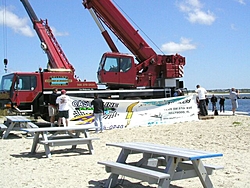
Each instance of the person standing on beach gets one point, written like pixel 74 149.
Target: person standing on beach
pixel 207 102
pixel 202 99
pixel 63 103
pixel 213 101
pixel 234 96
pixel 222 104
pixel 52 106
pixel 98 105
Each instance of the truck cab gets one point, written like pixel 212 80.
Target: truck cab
pixel 21 91
pixel 117 70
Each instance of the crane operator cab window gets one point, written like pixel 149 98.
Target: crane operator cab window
pixel 6 82
pixel 115 64
pixel 26 83
pixel 125 64
pixel 111 64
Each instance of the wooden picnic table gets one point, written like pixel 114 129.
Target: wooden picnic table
pixel 61 136
pixel 17 123
pixel 160 164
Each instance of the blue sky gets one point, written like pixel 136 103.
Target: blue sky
pixel 213 36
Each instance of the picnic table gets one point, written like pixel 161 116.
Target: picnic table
pixel 17 123
pixel 160 164
pixel 61 136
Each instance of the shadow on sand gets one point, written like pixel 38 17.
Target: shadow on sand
pixel 54 153
pixel 122 183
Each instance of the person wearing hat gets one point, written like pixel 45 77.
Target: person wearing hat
pixel 63 107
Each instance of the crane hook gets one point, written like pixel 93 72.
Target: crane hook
pixel 5 61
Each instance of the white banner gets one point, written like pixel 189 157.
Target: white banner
pixel 135 113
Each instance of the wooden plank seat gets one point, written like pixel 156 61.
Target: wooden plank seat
pixel 150 176
pixel 64 142
pixel 70 141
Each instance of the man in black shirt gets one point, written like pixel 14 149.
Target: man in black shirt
pixel 213 101
pixel 52 106
pixel 98 112
pixel 222 102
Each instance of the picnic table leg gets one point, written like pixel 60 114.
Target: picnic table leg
pixel 112 180
pixel 202 173
pixel 10 127
pixel 47 150
pixel 77 134
pixel 144 160
pixel 164 183
pixel 91 148
pixel 172 163
pixel 35 142
pixel 86 133
pixel 46 146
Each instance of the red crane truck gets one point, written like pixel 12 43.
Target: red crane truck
pixel 119 70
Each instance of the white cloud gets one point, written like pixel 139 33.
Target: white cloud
pixel 241 2
pixel 172 47
pixel 201 17
pixel 19 25
pixel 56 33
pixel 233 27
pixel 195 13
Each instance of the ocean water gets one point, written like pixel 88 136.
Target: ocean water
pixel 244 105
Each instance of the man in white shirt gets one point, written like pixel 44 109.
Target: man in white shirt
pixel 63 105
pixel 234 96
pixel 202 99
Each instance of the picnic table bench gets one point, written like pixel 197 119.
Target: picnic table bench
pixel 17 123
pixel 151 176
pixel 61 136
pixel 160 164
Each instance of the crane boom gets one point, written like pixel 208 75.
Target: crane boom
pixel 119 25
pixel 56 56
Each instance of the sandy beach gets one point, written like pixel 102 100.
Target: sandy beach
pixel 76 168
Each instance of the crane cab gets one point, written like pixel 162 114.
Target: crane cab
pixel 117 71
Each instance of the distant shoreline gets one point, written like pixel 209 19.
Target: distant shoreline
pixel 225 94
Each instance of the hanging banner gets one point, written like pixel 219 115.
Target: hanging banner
pixel 135 113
